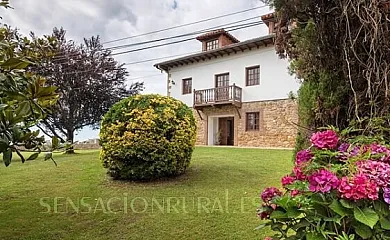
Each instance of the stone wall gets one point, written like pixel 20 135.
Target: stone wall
pixel 278 119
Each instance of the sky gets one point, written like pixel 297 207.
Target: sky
pixel 126 18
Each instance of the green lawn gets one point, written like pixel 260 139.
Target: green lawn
pixel 215 199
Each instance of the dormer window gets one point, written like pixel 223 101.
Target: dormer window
pixel 216 39
pixel 213 44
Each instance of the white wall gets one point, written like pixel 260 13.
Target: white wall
pixel 275 82
pixel 212 130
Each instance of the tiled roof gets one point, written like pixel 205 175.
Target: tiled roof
pixel 268 16
pixel 216 33
pixel 219 52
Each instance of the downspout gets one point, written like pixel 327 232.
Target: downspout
pixel 168 81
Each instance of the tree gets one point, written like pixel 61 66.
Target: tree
pixel 25 98
pixel 89 81
pixel 340 49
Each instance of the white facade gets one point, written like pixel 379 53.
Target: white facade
pixel 275 81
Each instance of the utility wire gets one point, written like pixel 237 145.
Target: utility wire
pixel 155 46
pixel 175 42
pixel 184 35
pixel 114 48
pixel 160 58
pixel 184 25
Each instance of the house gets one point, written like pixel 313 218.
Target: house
pixel 238 90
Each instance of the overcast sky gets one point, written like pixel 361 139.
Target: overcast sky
pixel 123 18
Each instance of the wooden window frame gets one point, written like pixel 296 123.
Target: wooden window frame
pixel 254 83
pixel 185 89
pixel 212 44
pixel 255 127
pixel 221 74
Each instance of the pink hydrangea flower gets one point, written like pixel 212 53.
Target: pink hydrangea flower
pixel 325 140
pixel 299 175
pixel 323 181
pixel 268 238
pixel 303 156
pixel 377 149
pixel 287 180
pixel 295 192
pixel 263 215
pixel 344 147
pixel 358 187
pixel 386 195
pixel 269 193
pixel 379 172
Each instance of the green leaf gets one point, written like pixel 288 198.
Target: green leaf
pixel 293 212
pixel 15 63
pixel 338 208
pixel 303 223
pixel 3 144
pixel 16 96
pixel 366 216
pixel 278 214
pixel 7 156
pixel 347 204
pixel 23 109
pixel 319 199
pixel 55 143
pixel 362 230
pixel 33 156
pixel 3 106
pixel 314 236
pixel 260 226
pixel 385 223
pixel 381 208
pixel 46 91
pixel 48 155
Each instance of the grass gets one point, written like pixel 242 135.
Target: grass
pixel 215 199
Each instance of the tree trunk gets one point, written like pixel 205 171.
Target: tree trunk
pixel 69 139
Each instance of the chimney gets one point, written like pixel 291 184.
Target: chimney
pixel 216 39
pixel 270 20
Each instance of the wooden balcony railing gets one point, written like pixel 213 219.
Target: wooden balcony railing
pixel 218 96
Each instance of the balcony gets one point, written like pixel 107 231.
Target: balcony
pixel 229 95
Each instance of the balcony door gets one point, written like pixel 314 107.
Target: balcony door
pixel 222 87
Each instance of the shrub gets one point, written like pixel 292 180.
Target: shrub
pixel 339 189
pixel 147 137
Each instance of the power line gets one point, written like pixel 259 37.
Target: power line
pixel 147 76
pixel 183 35
pixel 160 58
pixel 184 25
pixel 175 42
pixel 226 26
pixel 155 46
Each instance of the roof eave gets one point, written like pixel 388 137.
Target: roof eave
pixel 233 48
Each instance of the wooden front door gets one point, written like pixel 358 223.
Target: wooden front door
pixel 222 87
pixel 226 131
pixel 230 131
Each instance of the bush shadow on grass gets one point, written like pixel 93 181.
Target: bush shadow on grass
pixel 196 174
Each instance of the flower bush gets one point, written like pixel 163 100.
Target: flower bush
pixel 147 137
pixel 338 189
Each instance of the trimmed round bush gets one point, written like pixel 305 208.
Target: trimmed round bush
pixel 146 137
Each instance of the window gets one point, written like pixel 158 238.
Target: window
pixel 252 121
pixel 213 44
pixel 187 85
pixel 222 80
pixel 253 76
